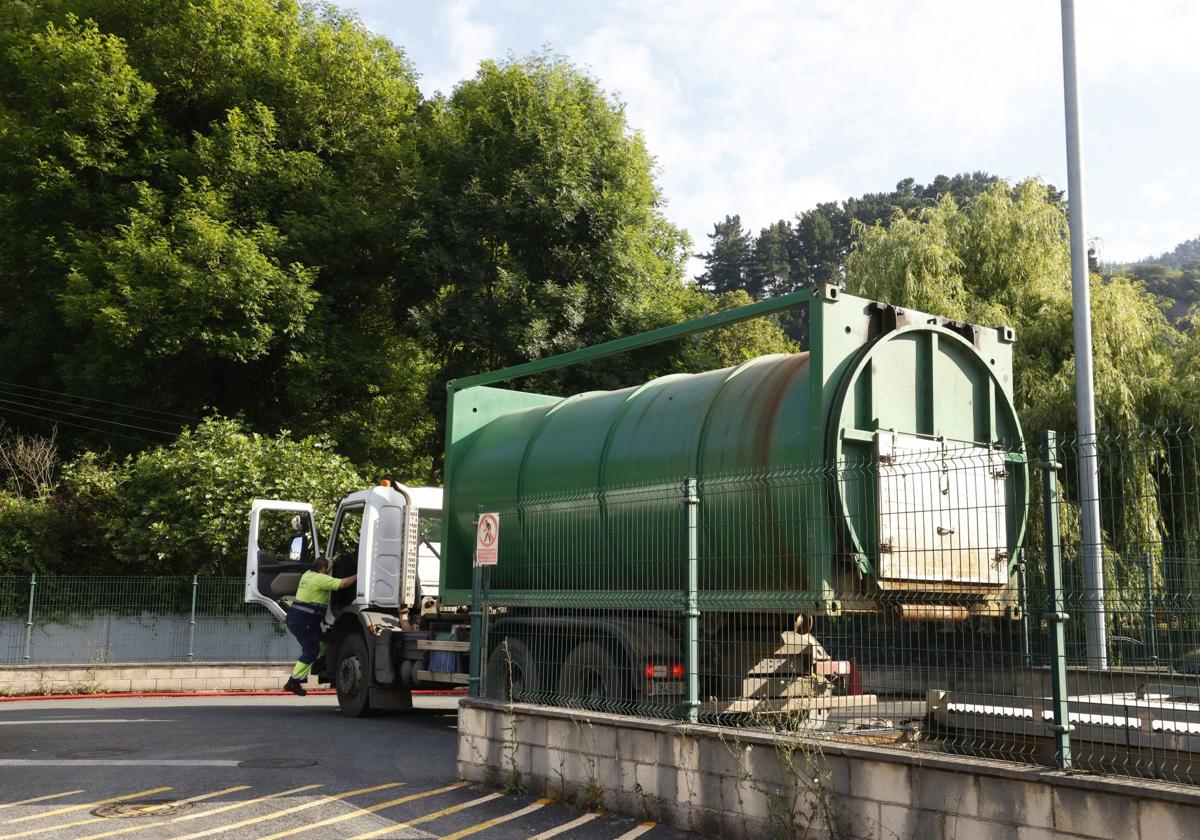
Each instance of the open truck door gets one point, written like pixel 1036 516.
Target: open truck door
pixel 369 538
pixel 278 552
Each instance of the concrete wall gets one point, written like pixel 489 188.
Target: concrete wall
pixel 100 679
pixel 148 637
pixel 747 784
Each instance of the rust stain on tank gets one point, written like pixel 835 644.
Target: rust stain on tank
pixel 767 402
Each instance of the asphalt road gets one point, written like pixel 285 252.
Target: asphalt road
pixel 243 767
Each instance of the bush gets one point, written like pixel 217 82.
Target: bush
pixel 184 507
pixel 173 510
pixel 32 530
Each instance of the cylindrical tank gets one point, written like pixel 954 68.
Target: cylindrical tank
pixel 787 452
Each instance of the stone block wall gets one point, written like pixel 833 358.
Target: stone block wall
pixel 751 785
pixel 103 679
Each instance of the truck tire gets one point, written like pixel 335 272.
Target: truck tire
pixel 512 673
pixel 353 676
pixel 592 678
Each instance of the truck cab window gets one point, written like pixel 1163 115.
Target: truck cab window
pixel 345 540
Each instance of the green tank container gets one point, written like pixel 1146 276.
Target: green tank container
pixel 800 461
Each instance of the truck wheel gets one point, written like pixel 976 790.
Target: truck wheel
pixel 591 678
pixel 511 673
pixel 353 676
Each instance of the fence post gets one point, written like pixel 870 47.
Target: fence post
pixel 1023 594
pixel 473 680
pixel 1151 624
pixel 192 624
pixel 691 603
pixel 29 617
pixel 1057 614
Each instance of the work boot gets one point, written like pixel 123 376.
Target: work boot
pixel 295 686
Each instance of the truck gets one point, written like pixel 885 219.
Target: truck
pixel 916 507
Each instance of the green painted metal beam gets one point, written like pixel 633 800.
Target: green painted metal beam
pixel 634 342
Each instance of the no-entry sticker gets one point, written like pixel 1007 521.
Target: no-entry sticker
pixel 487 540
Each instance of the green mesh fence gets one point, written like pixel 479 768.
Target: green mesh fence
pixel 907 599
pixel 96 620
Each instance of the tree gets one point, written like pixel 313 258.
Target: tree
pixel 770 267
pixel 544 222
pixel 208 206
pixel 728 264
pixel 817 245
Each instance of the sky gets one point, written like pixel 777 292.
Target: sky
pixel 765 109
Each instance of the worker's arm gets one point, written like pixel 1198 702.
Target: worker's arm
pixel 346 581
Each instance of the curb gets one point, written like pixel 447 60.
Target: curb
pixel 138 694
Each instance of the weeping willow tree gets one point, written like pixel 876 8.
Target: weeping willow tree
pixel 1003 258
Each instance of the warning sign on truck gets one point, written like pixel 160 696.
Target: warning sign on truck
pixel 487 539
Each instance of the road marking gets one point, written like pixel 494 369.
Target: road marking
pixel 118 762
pixel 241 804
pixel 637 832
pixel 87 805
pixel 201 815
pixel 565 827
pixel 325 800
pixel 478 827
pixel 358 812
pixel 41 798
pixel 453 809
pixel 148 809
pixel 37 721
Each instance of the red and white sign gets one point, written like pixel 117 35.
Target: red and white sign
pixel 487 539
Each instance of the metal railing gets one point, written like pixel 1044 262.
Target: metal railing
pixel 927 597
pixel 98 620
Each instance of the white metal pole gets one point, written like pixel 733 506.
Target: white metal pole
pixel 1085 397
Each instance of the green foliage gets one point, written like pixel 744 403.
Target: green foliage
pixel 785 256
pixel 172 510
pixel 727 266
pixel 209 198
pixel 244 207
pixel 184 505
pixel 544 226
pixel 31 528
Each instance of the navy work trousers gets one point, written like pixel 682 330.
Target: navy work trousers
pixel 306 627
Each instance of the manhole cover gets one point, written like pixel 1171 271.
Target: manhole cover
pixel 142 808
pixel 278 763
pixel 109 752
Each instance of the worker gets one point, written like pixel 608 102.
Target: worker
pixel 305 616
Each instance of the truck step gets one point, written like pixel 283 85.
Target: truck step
pixel 443 677
pixel 437 644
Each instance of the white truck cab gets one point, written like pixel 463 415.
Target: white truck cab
pixel 385 634
pixel 387 535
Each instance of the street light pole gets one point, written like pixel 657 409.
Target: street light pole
pixel 1085 396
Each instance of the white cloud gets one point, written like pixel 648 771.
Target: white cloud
pixel 469 41
pixel 764 108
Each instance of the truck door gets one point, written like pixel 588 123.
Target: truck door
pixel 368 539
pixel 278 553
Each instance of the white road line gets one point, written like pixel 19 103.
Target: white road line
pixel 118 762
pixel 37 721
pixel 636 832
pixel 565 827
